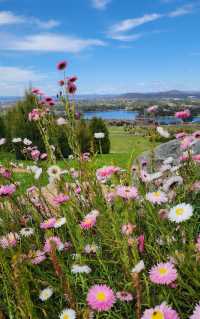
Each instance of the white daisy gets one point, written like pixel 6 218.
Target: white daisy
pixel 54 172
pixel 16 140
pixel 59 222
pixel 36 170
pixel 61 121
pixel 99 135
pixel 2 141
pixel 68 314
pixel 26 232
pixel 180 213
pixel 81 269
pixel 26 141
pixel 46 293
pixel 139 267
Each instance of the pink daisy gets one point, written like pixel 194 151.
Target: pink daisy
pixel 196 313
pixel 160 312
pixel 163 273
pixel 183 114
pixel 100 298
pixel 60 199
pixel 157 197
pixel 7 190
pixel 106 172
pixel 128 229
pixel 124 296
pixel 88 222
pixel 49 223
pixel 127 192
pixel 38 258
pixel 9 240
pixel 53 242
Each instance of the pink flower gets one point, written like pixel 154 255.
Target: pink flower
pixel 60 199
pixel 124 296
pixel 160 312
pixel 53 242
pixel 163 273
pixel 104 173
pixel 128 229
pixel 35 154
pixel 180 136
pixel 157 197
pixel 61 82
pixel 71 87
pixel 196 158
pixel 36 91
pixel 62 65
pixel 88 222
pixel 72 79
pixel 7 190
pixel 49 223
pixel 127 192
pixel 9 240
pixel 183 114
pixel 39 257
pixel 34 115
pixel 152 109
pixel 186 142
pixel 196 313
pixel 140 241
pixel 5 172
pixel 196 134
pixel 100 298
pixel 43 156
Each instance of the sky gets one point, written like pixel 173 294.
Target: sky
pixel 113 46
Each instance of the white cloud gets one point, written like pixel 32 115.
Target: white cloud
pixel 126 38
pixel 187 9
pixel 48 42
pixel 14 80
pixel 100 4
pixel 9 18
pixel 129 24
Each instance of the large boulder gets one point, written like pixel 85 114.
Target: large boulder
pixel 166 150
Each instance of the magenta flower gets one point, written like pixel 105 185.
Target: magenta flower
pixel 100 298
pixel 53 242
pixel 160 312
pixel 88 222
pixel 35 154
pixel 127 192
pixel 196 134
pixel 180 136
pixel 140 241
pixel 34 115
pixel 62 65
pixel 49 223
pixel 104 173
pixel 124 296
pixel 196 313
pixel 183 114
pixel 38 258
pixel 60 199
pixel 7 190
pixel 61 82
pixel 186 142
pixel 71 87
pixel 72 79
pixel 163 273
pixel 152 109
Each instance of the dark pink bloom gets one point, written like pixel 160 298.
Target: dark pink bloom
pixel 7 190
pixel 48 99
pixel 60 199
pixel 71 87
pixel 140 241
pixel 35 154
pixel 61 82
pixel 62 65
pixel 49 223
pixel 72 79
pixel 183 114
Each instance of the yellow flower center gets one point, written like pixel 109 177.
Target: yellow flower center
pixel 88 221
pixel 179 211
pixel 163 271
pixel 101 296
pixel 157 315
pixel 46 294
pixel 66 316
pixel 157 194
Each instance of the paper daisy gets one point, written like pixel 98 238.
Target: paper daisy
pixel 157 197
pixel 80 269
pixel 163 273
pixel 68 314
pixel 26 232
pixel 160 312
pixel 60 222
pixel 100 298
pixel 46 293
pixel 196 313
pixel 180 213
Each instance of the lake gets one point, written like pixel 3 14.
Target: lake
pixel 112 115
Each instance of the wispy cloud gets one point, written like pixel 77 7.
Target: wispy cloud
pixel 120 30
pixel 9 18
pixel 100 4
pixel 48 42
pixel 184 10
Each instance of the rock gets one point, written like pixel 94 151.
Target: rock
pixel 169 149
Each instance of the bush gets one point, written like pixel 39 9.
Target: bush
pixel 97 125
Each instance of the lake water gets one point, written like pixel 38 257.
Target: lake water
pixel 112 115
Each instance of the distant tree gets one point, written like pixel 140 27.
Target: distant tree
pixel 2 127
pixel 97 125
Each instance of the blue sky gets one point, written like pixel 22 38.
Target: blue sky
pixel 113 46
